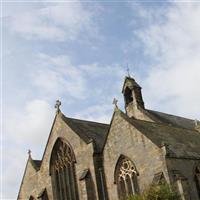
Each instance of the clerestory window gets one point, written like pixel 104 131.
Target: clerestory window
pixel 63 172
pixel 126 178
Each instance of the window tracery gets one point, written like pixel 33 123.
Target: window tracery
pixel 126 178
pixel 63 172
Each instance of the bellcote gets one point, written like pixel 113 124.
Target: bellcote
pixel 132 97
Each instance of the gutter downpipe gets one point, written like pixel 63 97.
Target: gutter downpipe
pixel 102 183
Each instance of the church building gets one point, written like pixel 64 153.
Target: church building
pixel 86 160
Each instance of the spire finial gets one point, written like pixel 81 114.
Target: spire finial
pixel 128 70
pixel 29 152
pixel 57 106
pixel 115 102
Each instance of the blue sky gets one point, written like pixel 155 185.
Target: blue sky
pixel 77 52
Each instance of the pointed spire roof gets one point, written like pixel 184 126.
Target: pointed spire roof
pixel 130 82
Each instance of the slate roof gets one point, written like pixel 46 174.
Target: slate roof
pixel 36 164
pixel 176 132
pixel 181 142
pixel 173 120
pixel 89 131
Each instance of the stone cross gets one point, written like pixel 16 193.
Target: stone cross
pixel 57 105
pixel 115 102
pixel 128 70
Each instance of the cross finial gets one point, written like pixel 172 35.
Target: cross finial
pixel 115 102
pixel 57 105
pixel 29 152
pixel 128 70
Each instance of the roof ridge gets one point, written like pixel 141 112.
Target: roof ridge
pixel 168 125
pixel 85 120
pixel 159 123
pixel 170 114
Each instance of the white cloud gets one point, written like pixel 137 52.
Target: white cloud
pixel 98 113
pixel 32 125
pixel 25 129
pixel 57 76
pixel 29 127
pixel 173 41
pixel 57 22
pixel 13 169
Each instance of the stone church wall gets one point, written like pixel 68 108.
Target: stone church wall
pixel 29 182
pixel 84 160
pixel 186 169
pixel 124 139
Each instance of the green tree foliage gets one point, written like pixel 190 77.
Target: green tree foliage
pixel 156 192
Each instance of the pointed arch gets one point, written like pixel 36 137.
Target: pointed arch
pixel 62 171
pixel 61 143
pixel 125 176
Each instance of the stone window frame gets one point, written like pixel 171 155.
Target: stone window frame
pixel 62 171
pixel 181 185
pixel 125 177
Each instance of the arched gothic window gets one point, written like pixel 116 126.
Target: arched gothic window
pixel 126 178
pixel 62 168
pixel 197 178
